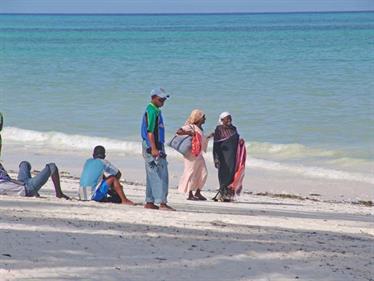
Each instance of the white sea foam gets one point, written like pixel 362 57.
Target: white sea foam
pixel 65 142
pixel 290 150
pixel 62 141
pixel 309 171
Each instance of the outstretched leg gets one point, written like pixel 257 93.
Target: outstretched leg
pixel 114 182
pixel 55 176
pixel 34 184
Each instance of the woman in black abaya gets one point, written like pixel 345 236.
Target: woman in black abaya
pixel 225 147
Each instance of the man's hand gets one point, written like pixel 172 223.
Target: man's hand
pixel 155 153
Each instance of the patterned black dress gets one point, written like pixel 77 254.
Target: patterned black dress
pixel 225 147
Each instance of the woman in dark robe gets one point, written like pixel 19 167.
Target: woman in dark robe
pixel 226 139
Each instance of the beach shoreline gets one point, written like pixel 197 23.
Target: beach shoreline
pixel 258 180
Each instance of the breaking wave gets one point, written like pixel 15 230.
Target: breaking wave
pixel 69 142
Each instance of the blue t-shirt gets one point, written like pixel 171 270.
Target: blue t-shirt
pixel 94 170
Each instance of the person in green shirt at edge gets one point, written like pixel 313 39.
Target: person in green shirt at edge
pixel 1 127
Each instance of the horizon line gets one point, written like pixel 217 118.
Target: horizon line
pixel 184 13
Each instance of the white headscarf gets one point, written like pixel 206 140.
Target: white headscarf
pixel 223 115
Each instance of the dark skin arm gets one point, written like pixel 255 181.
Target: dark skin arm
pixel 210 135
pixel 113 181
pixel 158 102
pixel 215 157
pixel 184 132
pixel 215 154
pixel 154 150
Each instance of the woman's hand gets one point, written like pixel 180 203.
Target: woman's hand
pixel 211 135
pixel 184 132
pixel 241 141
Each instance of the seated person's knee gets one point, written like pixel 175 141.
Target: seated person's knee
pixel 111 179
pixel 25 164
pixel 52 168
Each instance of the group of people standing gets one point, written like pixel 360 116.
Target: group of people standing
pixel 100 179
pixel 229 155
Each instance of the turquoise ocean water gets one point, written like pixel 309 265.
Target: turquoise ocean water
pixel 300 87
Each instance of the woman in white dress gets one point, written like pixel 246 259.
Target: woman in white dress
pixel 195 171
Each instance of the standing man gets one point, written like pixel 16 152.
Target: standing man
pixel 153 135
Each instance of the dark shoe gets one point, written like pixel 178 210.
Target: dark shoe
pixel 200 197
pixel 150 205
pixel 166 207
pixel 193 198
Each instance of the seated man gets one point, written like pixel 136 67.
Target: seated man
pixel 93 180
pixel 25 185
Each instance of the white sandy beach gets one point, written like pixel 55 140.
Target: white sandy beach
pixel 258 238
pixel 328 236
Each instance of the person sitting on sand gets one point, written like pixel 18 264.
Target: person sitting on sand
pixel 29 186
pixel 93 179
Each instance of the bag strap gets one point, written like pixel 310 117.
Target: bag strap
pixel 192 128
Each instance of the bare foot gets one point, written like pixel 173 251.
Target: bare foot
pixel 128 202
pixel 63 196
